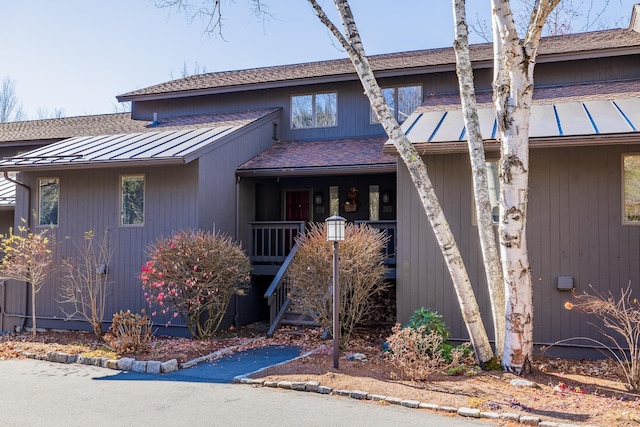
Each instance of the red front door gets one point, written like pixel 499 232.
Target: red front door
pixel 297 209
pixel 297 206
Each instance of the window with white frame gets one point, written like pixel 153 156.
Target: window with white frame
pixel 132 200
pixel 48 199
pixel 314 110
pixel 631 189
pixel 402 101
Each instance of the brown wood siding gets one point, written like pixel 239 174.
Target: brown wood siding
pixel 574 228
pixel 89 200
pixel 199 195
pixel 587 70
pixel 353 105
pixel 217 192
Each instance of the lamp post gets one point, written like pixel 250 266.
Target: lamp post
pixel 335 233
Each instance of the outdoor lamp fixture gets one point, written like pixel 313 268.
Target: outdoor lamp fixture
pixel 317 199
pixel 335 233
pixel 386 197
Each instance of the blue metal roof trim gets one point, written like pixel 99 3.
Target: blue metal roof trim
pixel 462 134
pixel 626 118
pixel 413 124
pixel 555 112
pixel 435 131
pixel 593 123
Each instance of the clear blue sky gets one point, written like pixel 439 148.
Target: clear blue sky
pixel 77 55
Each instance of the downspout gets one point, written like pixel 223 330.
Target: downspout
pixel 28 219
pixel 235 297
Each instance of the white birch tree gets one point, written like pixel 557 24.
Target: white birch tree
pixel 513 65
pixel 508 274
pixel 352 43
pixel 484 220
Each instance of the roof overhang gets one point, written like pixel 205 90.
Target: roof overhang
pixel 346 77
pixel 318 171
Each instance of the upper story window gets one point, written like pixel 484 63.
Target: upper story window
pixel 402 101
pixel 314 110
pixel 631 189
pixel 132 200
pixel 48 198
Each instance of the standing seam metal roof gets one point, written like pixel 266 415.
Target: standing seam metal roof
pixel 178 146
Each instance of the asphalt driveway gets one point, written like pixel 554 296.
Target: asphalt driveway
pixel 222 370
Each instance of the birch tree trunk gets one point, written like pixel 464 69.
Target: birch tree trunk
pixel 418 172
pixel 514 62
pixel 484 220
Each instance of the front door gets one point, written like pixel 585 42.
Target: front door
pixel 296 209
pixel 297 205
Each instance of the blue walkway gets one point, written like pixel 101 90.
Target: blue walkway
pixel 221 370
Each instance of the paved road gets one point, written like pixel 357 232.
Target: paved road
pixel 37 393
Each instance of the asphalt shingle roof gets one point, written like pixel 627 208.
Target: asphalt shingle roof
pixel 292 156
pixel 566 44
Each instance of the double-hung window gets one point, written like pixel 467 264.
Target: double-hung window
pixel 631 189
pixel 48 198
pixel 402 101
pixel 132 200
pixel 314 110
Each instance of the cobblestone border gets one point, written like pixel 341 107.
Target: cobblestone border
pixel 130 363
pixel 316 387
pixel 156 367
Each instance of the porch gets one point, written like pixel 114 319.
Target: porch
pixel 272 247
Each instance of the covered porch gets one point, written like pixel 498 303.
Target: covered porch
pixel 292 184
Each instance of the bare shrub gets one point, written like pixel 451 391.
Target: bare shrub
pixel 85 282
pixel 622 316
pixel 361 275
pixel 415 351
pixel 130 333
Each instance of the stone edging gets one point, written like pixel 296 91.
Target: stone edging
pixel 130 363
pixel 316 387
pixel 156 367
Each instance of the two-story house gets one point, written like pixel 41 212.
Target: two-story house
pixel 258 153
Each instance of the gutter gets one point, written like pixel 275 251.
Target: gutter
pixel 318 170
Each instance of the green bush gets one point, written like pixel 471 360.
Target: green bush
pixel 431 320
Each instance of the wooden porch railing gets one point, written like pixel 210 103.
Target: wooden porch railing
pixel 271 241
pixel 275 242
pixel 278 295
pixel 390 230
